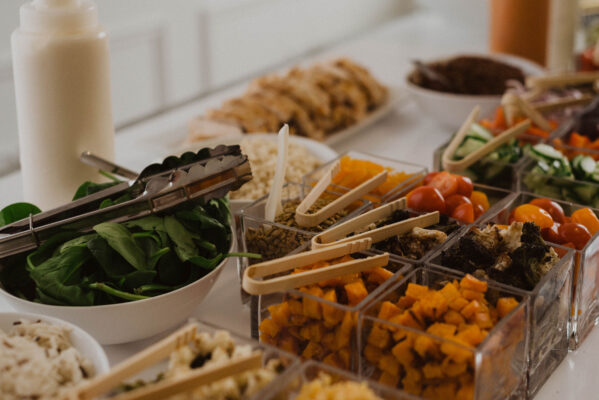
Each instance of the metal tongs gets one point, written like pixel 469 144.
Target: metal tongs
pixel 207 174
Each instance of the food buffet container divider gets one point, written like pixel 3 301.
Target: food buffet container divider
pixel 288 387
pixel 498 364
pixel 497 174
pixel 549 315
pixel 497 198
pixel 350 313
pixel 585 299
pixel 418 172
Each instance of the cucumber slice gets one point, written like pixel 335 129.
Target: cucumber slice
pixel 470 145
pixel 595 175
pixel 481 132
pixel 547 152
pixel 587 166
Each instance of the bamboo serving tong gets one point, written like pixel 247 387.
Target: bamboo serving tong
pixel 338 234
pixel 255 286
pixel 451 165
pixel 303 218
pixel 168 387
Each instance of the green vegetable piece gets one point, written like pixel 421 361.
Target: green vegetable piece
pixel 115 292
pixel 121 240
pixel 183 240
pixel 16 212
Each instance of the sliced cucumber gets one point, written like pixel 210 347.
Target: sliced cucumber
pixel 587 166
pixel 595 174
pixel 547 152
pixel 470 145
pixel 481 132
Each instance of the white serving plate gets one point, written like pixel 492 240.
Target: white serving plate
pixel 451 109
pixel 318 149
pixel 81 340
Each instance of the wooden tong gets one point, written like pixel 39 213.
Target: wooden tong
pixel 291 281
pixel 459 165
pixel 338 234
pixel 168 387
pixel 560 80
pixel 514 105
pixel 308 220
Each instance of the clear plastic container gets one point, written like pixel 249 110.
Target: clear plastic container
pixel 401 189
pixel 306 322
pixel 585 300
pixel 550 304
pixel 434 366
pixel 498 174
pixel 289 386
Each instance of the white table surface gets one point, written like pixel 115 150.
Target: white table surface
pixel 405 135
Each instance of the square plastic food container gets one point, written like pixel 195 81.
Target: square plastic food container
pixel 585 299
pixel 308 323
pixel 400 189
pixel 549 315
pixel 490 172
pixel 433 365
pixel 288 387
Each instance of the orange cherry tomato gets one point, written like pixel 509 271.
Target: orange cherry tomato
pixel 575 233
pixel 464 213
pixel 453 201
pixel 554 209
pixel 429 177
pixel 426 198
pixel 446 183
pixel 586 217
pixel 532 213
pixel 465 185
pixel 480 198
pixel 551 234
pixel 478 210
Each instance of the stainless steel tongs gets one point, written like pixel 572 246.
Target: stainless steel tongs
pixel 207 174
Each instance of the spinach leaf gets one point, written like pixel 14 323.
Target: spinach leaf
pixel 47 248
pixel 182 239
pixel 171 271
pixel 207 263
pixel 17 212
pixel 112 263
pixel 78 241
pixel 121 240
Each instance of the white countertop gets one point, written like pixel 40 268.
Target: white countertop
pixel 405 135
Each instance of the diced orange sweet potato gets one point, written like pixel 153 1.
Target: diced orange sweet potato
pixel 343 332
pixel 412 382
pixel 328 340
pixel 388 310
pixel 466 392
pixel 472 308
pixel 432 371
pixel 331 315
pixel 406 318
pixel 403 352
pixel 372 354
pixel 269 327
pixel 317 331
pixel 469 294
pixel 295 332
pixel 280 314
pixel 288 343
pixel 416 291
pixel 405 302
pixel 453 317
pixel 450 291
pixel 389 364
pixel 434 305
pixel 483 320
pixel 297 320
pixel 266 338
pixel 356 292
pixel 378 275
pixel 471 335
pixel 455 352
pixel 505 305
pixel 424 345
pixel 312 308
pixel 458 303
pixel 295 306
pixel 313 351
pixel 305 332
pixel 470 282
pixel 453 369
pixel 442 330
pixel 379 337
pixel 388 379
pixel 344 354
pixel 333 360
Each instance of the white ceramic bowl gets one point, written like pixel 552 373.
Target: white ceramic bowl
pixel 135 320
pixel 450 109
pixel 81 340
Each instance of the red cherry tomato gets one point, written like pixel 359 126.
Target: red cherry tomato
pixel 532 213
pixel 429 177
pixel 465 186
pixel 426 198
pixel 464 213
pixel 446 183
pixel 578 234
pixel 554 209
pixel 478 210
pixel 453 201
pixel 586 217
pixel 552 235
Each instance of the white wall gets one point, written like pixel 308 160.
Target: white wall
pixel 167 51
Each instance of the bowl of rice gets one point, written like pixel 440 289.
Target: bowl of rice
pixel 43 358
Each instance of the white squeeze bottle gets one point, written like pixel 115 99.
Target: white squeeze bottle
pixel 62 85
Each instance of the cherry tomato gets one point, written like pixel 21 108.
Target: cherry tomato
pixel 464 213
pixel 531 213
pixel 464 185
pixel 426 198
pixel 480 198
pixel 446 183
pixel 478 210
pixel 455 200
pixel 554 209
pixel 551 234
pixel 575 233
pixel 586 217
pixel 429 177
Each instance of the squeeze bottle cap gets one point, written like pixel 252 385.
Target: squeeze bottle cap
pixel 58 16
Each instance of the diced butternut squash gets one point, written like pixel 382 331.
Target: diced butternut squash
pixel 280 314
pixel 388 310
pixel 372 354
pixel 432 371
pixel 470 282
pixel 333 360
pixel 466 392
pixel 356 292
pixel 473 295
pixel 434 305
pixel 269 327
pixel 313 351
pixel 295 307
pixel 403 352
pixel 379 337
pixel 416 291
pixel 442 330
pixel 471 335
pixel 328 340
pixel 453 317
pixel 331 315
pixel 505 305
pixel 378 275
pixel 344 354
pixel 472 308
pixel 453 369
pixel 343 332
pixel 289 343
pixel 312 308
pixel 424 345
pixel 458 303
pixel 389 364
pixel 450 292
pixel 388 379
